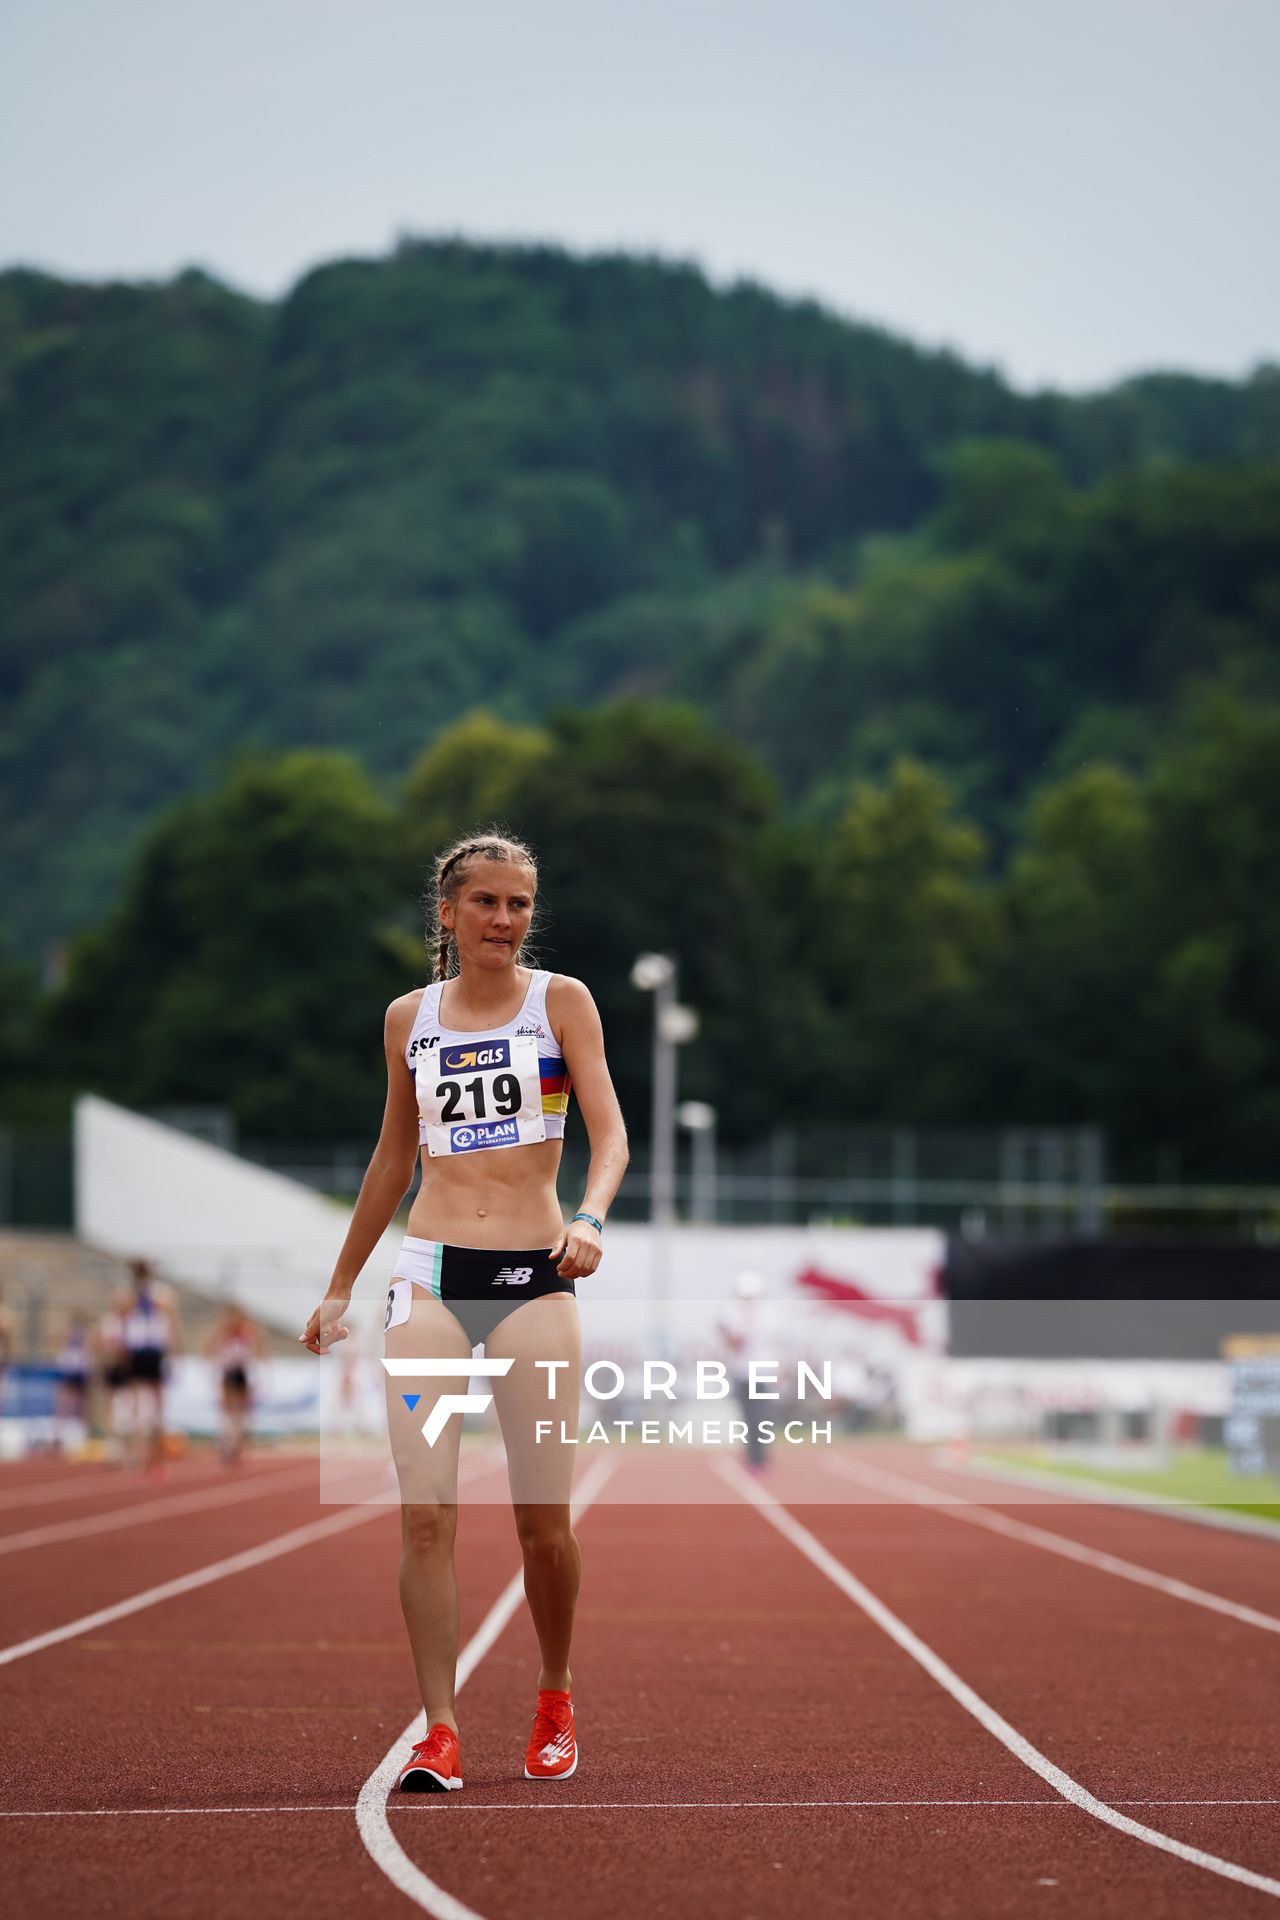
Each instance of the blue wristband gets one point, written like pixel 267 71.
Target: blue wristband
pixel 590 1220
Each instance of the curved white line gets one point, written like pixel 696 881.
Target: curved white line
pixel 371 1807
pixel 964 1695
pixel 956 1508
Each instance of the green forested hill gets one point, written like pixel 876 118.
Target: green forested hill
pixel 469 475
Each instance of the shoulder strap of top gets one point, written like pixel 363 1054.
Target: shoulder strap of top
pixel 545 977
pixel 428 1014
pixel 536 1004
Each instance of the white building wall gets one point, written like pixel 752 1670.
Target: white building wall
pixel 207 1217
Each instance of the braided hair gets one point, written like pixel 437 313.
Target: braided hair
pixel 451 871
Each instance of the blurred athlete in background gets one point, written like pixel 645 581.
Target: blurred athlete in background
pixel 149 1334
pixel 235 1343
pixel 6 1345
pixel 746 1329
pixel 113 1362
pixel 71 1391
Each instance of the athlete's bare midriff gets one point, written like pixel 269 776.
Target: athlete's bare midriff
pixel 505 1198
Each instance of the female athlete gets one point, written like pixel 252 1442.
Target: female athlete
pixel 150 1334
pixel 235 1343
pixel 479 1067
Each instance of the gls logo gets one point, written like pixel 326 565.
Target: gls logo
pixel 434 1424
pixel 513 1277
pixel 465 1059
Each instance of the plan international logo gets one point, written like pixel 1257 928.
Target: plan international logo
pixel 495 1133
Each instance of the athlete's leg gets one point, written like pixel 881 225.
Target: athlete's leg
pixel 155 1445
pixel 536 1405
pixel 428 1477
pixel 118 1419
pixel 234 1400
pixel 144 1424
pixel 126 1419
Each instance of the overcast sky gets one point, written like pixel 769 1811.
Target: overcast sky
pixel 1069 189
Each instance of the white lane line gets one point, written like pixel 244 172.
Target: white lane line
pixel 85 1485
pixel 649 1806
pixel 139 1512
pixel 955 1507
pixel 368 1509
pixel 450 1809
pixel 202 1577
pixel 371 1807
pixel 1097 1493
pixel 83 1488
pixel 964 1695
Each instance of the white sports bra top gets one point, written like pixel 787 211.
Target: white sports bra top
pixel 505 1086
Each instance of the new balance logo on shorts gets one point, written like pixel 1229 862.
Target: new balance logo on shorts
pixel 514 1277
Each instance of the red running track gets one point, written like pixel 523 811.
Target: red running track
pixel 754 1744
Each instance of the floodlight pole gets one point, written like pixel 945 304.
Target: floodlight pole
pixel 673 1024
pixel 700 1121
pixel 663 1145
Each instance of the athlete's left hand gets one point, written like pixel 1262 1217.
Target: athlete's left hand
pixel 324 1329
pixel 577 1252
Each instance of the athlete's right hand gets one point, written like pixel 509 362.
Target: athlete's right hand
pixel 324 1328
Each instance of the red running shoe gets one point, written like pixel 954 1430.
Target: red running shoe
pixel 436 1766
pixel 552 1752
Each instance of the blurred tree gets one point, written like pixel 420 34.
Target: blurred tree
pixel 251 957
pixel 998 493
pixel 574 547
pixel 901 938
pixel 1215 805
pixel 1139 985
pixel 865 970
pixel 1071 991
pixel 517 478
pixel 26 1090
pixel 650 832
pixel 467 779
